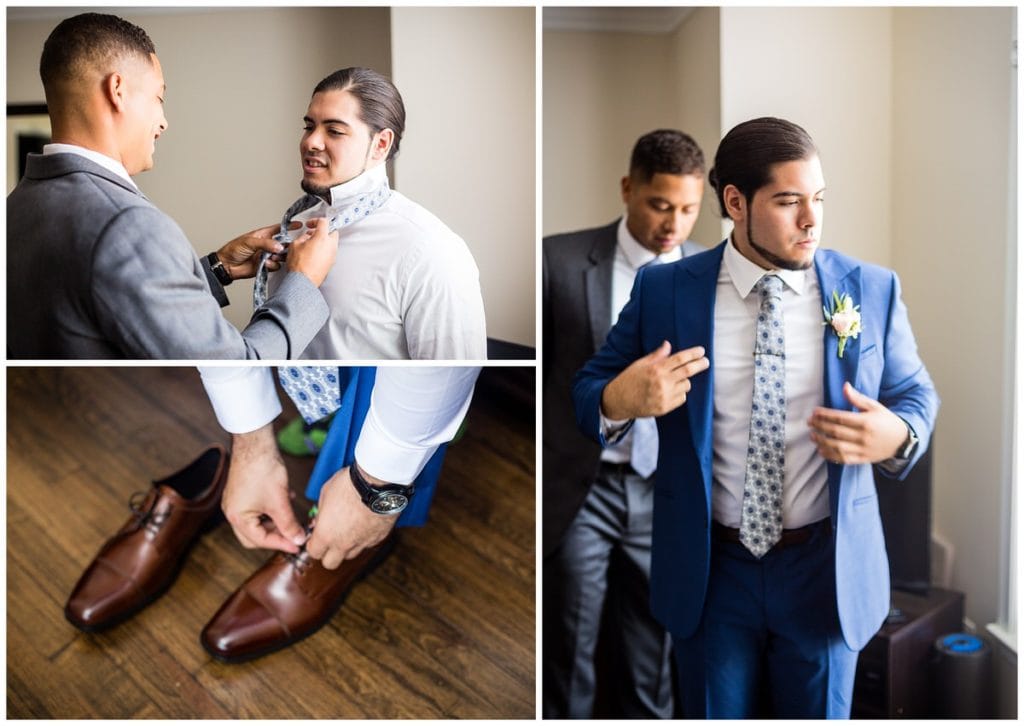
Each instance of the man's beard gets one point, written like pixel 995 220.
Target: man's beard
pixel 773 259
pixel 315 190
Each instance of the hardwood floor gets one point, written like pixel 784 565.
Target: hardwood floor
pixel 443 628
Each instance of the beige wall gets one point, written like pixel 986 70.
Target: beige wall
pixel 696 50
pixel 238 82
pixel 952 128
pixel 601 92
pixel 469 155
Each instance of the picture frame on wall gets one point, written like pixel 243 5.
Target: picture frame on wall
pixel 28 130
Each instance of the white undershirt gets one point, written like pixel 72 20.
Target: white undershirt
pixel 103 160
pixel 413 411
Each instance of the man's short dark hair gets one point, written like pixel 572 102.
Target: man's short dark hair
pixel 665 151
pixel 380 103
pixel 89 40
pixel 747 153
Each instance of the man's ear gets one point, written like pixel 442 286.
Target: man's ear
pixel 627 187
pixel 382 144
pixel 114 90
pixel 735 203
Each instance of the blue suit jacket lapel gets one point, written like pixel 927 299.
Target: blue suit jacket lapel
pixel 833 274
pixel 697 283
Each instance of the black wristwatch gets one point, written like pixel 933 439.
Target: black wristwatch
pixel 906 449
pixel 223 276
pixel 382 499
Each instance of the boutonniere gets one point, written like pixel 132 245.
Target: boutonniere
pixel 844 318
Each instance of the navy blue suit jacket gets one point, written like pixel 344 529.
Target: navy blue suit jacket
pixel 676 302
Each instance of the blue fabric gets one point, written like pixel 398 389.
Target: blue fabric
pixel 676 302
pixel 356 384
pixel 768 620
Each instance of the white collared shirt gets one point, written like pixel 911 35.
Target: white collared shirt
pixel 805 488
pixel 403 285
pixel 413 411
pixel 630 256
pixel 112 165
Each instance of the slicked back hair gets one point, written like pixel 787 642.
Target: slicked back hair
pixel 747 153
pixel 380 103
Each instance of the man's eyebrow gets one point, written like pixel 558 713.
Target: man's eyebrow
pixel 795 194
pixel 336 121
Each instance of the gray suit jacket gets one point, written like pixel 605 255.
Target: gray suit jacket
pixel 577 315
pixel 95 270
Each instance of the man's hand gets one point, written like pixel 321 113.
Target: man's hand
pixel 653 385
pixel 344 525
pixel 241 256
pixel 868 435
pixel 313 253
pixel 257 501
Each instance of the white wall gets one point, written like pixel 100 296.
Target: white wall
pixel 951 128
pixel 832 76
pixel 238 83
pixel 601 92
pixel 468 79
pixel 696 51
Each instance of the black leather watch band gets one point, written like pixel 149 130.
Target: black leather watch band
pixel 223 276
pixel 384 499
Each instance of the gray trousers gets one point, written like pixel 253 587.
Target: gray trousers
pixel 613 527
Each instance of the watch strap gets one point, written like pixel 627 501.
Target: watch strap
pixel 218 269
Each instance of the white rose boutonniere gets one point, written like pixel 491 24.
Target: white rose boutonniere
pixel 844 319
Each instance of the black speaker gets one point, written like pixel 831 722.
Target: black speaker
pixel 906 509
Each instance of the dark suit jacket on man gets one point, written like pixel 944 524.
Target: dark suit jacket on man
pixel 577 305
pixel 95 270
pixel 676 303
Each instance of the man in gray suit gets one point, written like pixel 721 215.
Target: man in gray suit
pixel 94 269
pixel 598 505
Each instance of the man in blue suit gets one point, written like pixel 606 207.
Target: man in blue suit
pixel 768 565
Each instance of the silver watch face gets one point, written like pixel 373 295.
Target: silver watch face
pixel 389 503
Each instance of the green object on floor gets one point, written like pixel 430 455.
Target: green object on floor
pixel 301 439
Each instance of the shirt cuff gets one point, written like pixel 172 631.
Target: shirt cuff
pixel 243 398
pixel 413 411
pixel 612 430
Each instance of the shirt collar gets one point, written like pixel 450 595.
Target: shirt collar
pixel 108 163
pixel 745 274
pixel 365 182
pixel 637 255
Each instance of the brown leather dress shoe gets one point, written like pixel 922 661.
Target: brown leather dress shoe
pixel 286 600
pixel 139 563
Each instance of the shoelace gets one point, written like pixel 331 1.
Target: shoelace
pixel 146 517
pixel 301 559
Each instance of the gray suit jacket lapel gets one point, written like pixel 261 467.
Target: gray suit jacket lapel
pixel 597 282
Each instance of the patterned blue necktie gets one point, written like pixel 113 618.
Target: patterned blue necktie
pixel 350 211
pixel 761 520
pixel 315 390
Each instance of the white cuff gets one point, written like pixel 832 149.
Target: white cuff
pixel 413 411
pixel 243 398
pixel 613 429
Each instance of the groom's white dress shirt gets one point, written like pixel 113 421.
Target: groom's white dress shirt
pixel 403 285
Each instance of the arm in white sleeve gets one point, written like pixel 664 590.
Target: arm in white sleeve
pixel 244 398
pixel 413 411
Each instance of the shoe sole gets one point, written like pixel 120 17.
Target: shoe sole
pixel 372 565
pixel 212 523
